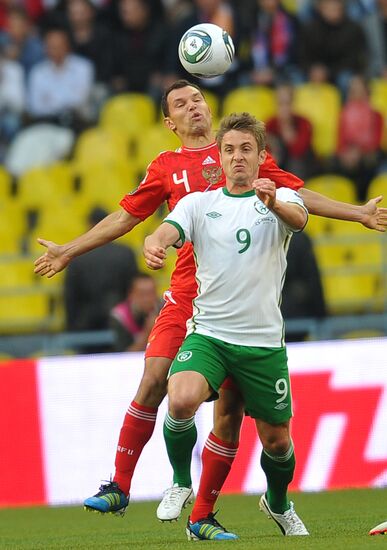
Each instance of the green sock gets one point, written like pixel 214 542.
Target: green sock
pixel 180 438
pixel 279 472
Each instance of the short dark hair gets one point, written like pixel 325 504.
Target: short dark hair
pixel 243 122
pixel 96 215
pixel 175 86
pixel 138 276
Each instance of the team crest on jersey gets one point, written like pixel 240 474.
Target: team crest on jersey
pixel 212 174
pixel 184 356
pixel 261 208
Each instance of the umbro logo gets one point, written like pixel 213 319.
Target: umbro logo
pixel 281 406
pixel 208 160
pixel 213 215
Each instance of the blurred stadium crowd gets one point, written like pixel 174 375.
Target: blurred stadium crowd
pixel 80 84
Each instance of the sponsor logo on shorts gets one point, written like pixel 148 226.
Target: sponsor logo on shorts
pixel 184 356
pixel 281 406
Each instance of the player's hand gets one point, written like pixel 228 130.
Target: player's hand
pixel 52 261
pixel 374 217
pixel 154 256
pixel 265 190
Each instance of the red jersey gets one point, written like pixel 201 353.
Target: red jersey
pixel 174 174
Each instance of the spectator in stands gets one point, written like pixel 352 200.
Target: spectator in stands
pixel 21 40
pixel 360 136
pixel 96 282
pixel 133 319
pixel 34 9
pixel 12 100
pixel 89 38
pixel 290 136
pixel 302 294
pixel 59 88
pixel 375 24
pixel 335 42
pixel 273 44
pixel 140 49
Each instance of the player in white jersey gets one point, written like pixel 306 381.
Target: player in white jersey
pixel 240 235
pixel 247 243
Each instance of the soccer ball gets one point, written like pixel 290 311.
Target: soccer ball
pixel 206 50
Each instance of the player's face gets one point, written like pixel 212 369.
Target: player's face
pixel 240 157
pixel 189 113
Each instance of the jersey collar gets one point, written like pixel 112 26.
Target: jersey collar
pixel 246 194
pixel 210 146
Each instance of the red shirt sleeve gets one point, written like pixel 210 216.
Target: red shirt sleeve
pixel 269 169
pixel 150 194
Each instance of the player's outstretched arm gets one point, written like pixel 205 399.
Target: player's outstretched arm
pixel 57 257
pixel 156 244
pixel 369 214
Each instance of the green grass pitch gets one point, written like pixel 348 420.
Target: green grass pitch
pixel 336 520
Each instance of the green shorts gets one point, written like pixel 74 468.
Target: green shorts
pixel 261 374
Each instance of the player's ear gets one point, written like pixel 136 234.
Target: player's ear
pixel 169 124
pixel 262 157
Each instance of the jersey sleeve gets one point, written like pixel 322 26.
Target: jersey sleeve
pixel 288 195
pixel 183 216
pixel 269 169
pixel 150 194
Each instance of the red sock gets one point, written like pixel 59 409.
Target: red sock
pixel 217 459
pixel 137 429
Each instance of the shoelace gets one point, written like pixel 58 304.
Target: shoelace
pixel 211 519
pixel 172 496
pixel 107 485
pixel 292 517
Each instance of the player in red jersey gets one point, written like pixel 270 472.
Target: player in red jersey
pixel 193 167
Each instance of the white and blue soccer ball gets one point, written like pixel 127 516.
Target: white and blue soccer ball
pixel 206 50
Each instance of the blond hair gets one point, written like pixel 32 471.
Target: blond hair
pixel 243 122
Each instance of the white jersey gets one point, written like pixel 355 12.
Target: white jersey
pixel 240 249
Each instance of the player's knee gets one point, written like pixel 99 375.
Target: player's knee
pixel 277 446
pixel 182 405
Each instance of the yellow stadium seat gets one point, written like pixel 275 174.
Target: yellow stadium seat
pixel 105 186
pixel 41 187
pixel 17 272
pixel 153 141
pixel 378 91
pixel 213 103
pixel 60 224
pixel 102 145
pixel 257 100
pixel 62 174
pixel 352 269
pixel 290 5
pixel 363 256
pixel 24 311
pixel 337 188
pixel 378 186
pixel 352 293
pixel 129 114
pixel 321 104
pixel 12 226
pixel 5 183
pixel 333 186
